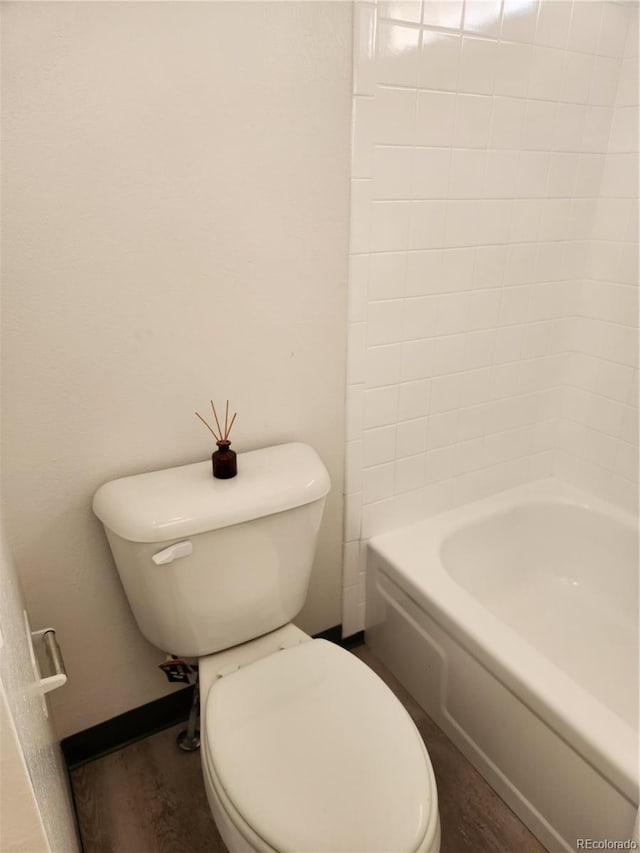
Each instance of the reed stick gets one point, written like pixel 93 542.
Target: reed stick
pixel 208 427
pixel 230 425
pixel 226 418
pixel 217 421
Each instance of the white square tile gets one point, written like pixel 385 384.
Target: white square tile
pixel 472 122
pixel 489 266
pixel 463 223
pixel 484 307
pixel 413 399
pixel 546 71
pixel 495 218
pixel 380 406
pixel 439 61
pixel 532 174
pixel 378 445
pixel 525 220
pixel 501 174
pixel 409 11
pixel 417 360
pixel 394 120
pixel 616 23
pixel 440 464
pixel 442 429
pixel 453 313
pixel 596 129
pixel 474 386
pixel 420 316
pixel 431 173
pixel 424 272
pixel 515 305
pixel 521 259
pixel 614 380
pixel 477 66
pixel 383 365
pixel 427 224
pixel 411 437
pixel 409 473
pixel 563 173
pixel 575 84
pixel 478 348
pixel 449 354
pixel 469 455
pixel 513 67
pixel 389 225
pixel 482 17
pixel 569 127
pixel 588 177
pixel 442 13
pixel 467 175
pixel 508 344
pixel 397 52
pixel 387 275
pixel 584 30
pixel 385 322
pixel 445 393
pixel 507 122
pixel 604 81
pixel 553 23
pixel 435 118
pixel 392 172
pixel 378 518
pixel 539 125
pixel 519 19
pixel 377 483
pixel 471 422
pixel 457 269
pixel 627 94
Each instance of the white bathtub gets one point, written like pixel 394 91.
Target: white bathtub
pixel 514 622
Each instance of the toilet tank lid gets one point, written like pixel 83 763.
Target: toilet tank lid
pixel 178 502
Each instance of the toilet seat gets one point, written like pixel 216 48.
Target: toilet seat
pixel 307 750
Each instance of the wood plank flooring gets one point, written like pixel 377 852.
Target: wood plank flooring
pixel 149 797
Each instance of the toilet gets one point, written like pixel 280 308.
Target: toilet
pixel 304 749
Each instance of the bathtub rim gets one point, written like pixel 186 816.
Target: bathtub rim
pixel 486 637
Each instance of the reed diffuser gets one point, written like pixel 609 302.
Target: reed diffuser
pixel 223 460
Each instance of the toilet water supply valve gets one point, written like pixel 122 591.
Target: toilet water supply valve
pixel 178 670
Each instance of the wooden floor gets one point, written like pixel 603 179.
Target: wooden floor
pixel 149 797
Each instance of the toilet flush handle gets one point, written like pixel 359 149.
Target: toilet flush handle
pixel 173 552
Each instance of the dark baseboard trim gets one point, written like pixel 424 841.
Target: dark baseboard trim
pixel 127 728
pixel 153 717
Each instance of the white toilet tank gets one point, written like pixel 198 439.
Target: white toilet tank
pixel 232 557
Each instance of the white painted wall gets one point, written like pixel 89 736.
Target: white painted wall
pixel 493 292
pixel 175 192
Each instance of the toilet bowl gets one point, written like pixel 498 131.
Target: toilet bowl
pixel 304 749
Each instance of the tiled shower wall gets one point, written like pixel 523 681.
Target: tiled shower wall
pixel 598 436
pixel 492 285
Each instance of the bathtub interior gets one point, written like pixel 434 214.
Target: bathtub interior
pixel 519 638
pixel 565 578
